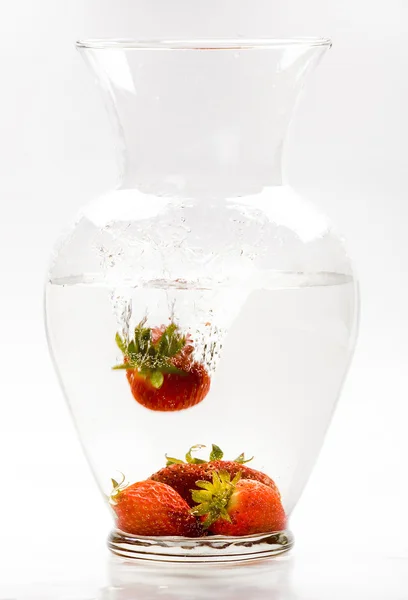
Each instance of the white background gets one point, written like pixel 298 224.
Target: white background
pixel 347 152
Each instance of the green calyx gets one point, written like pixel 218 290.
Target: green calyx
pixel 152 359
pixel 117 488
pixel 213 497
pixel 215 454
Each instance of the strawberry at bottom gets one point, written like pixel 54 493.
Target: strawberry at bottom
pixel 233 468
pixel 238 507
pixel 151 508
pixel 183 476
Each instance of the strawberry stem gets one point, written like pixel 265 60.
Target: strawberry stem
pixel 173 461
pixel 242 460
pixel 213 497
pixel 152 358
pixel 194 461
pixel 215 454
pixel 117 488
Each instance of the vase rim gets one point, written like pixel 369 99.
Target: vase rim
pixel 202 44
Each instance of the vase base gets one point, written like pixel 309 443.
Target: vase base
pixel 217 549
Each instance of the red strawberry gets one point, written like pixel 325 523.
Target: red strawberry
pixel 160 370
pixel 153 509
pixel 238 507
pixel 182 476
pixel 232 468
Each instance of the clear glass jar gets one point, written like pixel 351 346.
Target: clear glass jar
pixel 225 299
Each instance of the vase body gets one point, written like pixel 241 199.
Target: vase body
pixel 203 241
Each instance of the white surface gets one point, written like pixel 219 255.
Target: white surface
pixel 347 153
pixel 295 577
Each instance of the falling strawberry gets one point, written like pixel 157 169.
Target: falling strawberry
pixel 237 507
pixel 160 370
pixel 153 509
pixel 182 476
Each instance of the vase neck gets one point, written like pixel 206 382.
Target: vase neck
pixel 204 119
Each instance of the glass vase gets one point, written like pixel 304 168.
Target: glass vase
pixel 201 315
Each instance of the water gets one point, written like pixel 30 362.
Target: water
pixel 276 355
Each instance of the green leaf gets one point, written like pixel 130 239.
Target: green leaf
pixel 127 367
pixel 156 379
pixel 120 343
pixel 241 459
pixel 200 511
pixel 205 485
pixel 142 354
pixel 225 516
pixel 164 342
pixel 189 457
pixel 170 342
pixel 201 496
pixel 131 349
pixel 143 338
pixel 173 461
pixel 216 453
pixel 117 486
pixel 236 479
pixel 211 518
pixel 214 497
